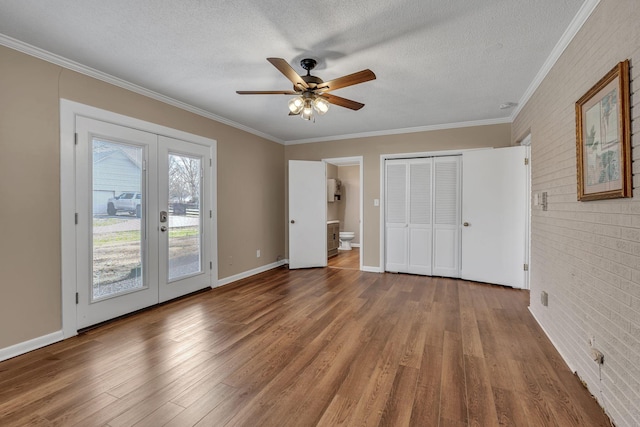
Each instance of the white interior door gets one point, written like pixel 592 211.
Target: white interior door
pixel 494 211
pixel 125 259
pixel 307 214
pixel 185 217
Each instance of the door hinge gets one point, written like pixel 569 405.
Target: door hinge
pixel 210 162
pixel 210 214
pixel 77 298
pixel 76 218
pixel 75 139
pixel 210 265
pixel 526 267
pixel 526 161
pixel 144 165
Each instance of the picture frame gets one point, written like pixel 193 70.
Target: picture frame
pixel 603 138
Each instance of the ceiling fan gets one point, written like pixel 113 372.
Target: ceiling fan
pixel 312 93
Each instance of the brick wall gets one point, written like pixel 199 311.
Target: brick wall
pixel 586 255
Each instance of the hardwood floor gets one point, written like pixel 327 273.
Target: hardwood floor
pixel 304 348
pixel 346 259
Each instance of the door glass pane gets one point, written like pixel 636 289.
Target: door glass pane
pixel 185 229
pixel 117 223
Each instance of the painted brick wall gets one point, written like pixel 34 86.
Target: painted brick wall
pixel 586 255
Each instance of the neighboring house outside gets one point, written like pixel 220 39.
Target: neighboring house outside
pixel 116 169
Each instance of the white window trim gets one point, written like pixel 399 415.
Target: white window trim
pixel 69 110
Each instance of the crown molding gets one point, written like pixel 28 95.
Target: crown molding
pixel 576 24
pixel 578 21
pixel 402 131
pixel 99 75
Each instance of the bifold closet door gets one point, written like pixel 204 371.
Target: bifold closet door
pixel 422 216
pixel 408 216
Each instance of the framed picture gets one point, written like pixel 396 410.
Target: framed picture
pixel 603 138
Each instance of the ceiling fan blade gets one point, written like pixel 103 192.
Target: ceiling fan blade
pixel 284 67
pixel 350 80
pixel 266 92
pixel 342 102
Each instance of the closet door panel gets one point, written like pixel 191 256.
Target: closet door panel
pixel 396 217
pixel 446 224
pixel 420 216
pixel 420 251
pixel 397 259
pixel 446 256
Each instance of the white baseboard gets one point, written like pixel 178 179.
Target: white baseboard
pixel 27 346
pixel 355 245
pixel 250 273
pixel 566 360
pixel 372 269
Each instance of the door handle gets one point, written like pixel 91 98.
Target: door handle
pixel 293 221
pixel 466 224
pixel 163 228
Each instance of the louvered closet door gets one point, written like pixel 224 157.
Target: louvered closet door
pixel 396 217
pixel 422 216
pixel 420 224
pixel 446 223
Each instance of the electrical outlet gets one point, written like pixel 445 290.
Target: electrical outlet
pixel 544 298
pixel 258 253
pixel 597 356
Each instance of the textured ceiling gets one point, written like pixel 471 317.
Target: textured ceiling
pixel 437 61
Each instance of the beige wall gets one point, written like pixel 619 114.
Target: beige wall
pixel 349 204
pixel 372 147
pixel 250 187
pixel 586 255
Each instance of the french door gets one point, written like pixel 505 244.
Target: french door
pixel 143 232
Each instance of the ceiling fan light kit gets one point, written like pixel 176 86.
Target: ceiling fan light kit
pixel 311 91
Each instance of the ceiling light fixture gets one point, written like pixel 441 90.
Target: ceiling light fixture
pixel 306 103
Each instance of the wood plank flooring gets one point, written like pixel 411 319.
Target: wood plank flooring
pixel 346 259
pixel 317 347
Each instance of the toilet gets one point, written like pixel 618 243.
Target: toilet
pixel 345 240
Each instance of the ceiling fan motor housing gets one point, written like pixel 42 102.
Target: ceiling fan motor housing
pixel 312 81
pixel 308 64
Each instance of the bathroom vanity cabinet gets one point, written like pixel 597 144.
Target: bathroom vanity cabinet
pixel 333 238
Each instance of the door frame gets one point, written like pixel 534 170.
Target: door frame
pixel 526 142
pixel 69 110
pixel 354 161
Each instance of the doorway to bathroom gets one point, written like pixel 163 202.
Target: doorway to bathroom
pixel 344 212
